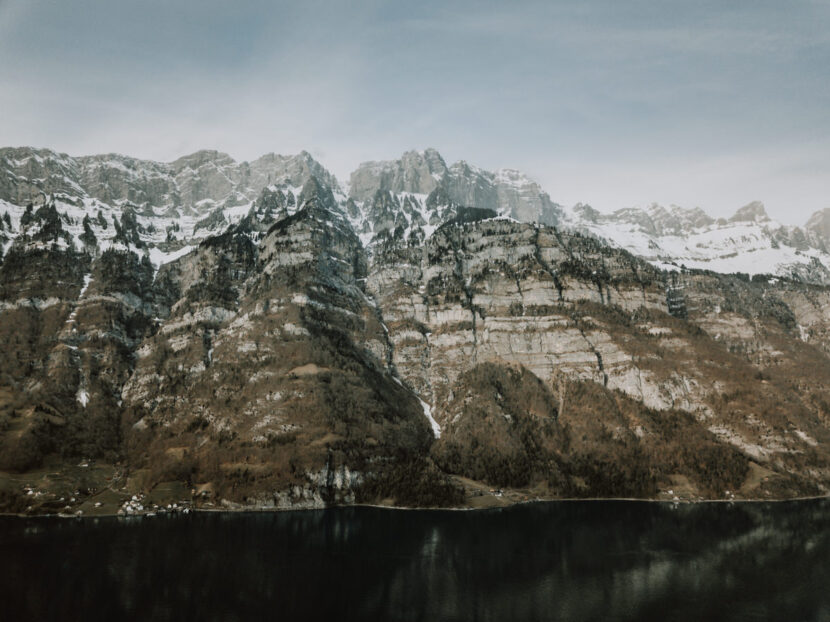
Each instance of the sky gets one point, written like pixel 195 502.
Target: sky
pixel 707 103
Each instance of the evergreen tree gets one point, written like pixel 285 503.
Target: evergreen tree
pixel 28 216
pixel 119 233
pixel 130 228
pixel 88 236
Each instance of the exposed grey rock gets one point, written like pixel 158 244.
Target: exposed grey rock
pixel 752 212
pixel 507 192
pixel 818 228
pixel 416 172
pixel 195 183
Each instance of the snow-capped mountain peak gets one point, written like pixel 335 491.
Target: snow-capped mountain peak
pixel 166 208
pixel 749 242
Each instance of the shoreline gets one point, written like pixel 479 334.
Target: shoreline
pixel 255 510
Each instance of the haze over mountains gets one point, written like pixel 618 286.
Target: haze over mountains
pixel 266 335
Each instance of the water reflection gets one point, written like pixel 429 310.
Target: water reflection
pixel 555 561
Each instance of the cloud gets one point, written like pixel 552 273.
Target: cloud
pixel 607 102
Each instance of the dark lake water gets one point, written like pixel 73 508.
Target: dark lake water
pixel 611 560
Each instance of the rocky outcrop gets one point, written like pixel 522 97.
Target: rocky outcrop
pixel 507 192
pixel 818 229
pixel 751 212
pixel 502 290
pixel 417 172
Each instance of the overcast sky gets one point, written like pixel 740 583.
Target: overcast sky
pixel 606 102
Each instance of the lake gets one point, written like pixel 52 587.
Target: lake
pixel 593 560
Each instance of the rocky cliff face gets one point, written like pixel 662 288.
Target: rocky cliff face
pixel 568 308
pixel 294 347
pixel 271 367
pixel 205 176
pixel 415 173
pixel 507 192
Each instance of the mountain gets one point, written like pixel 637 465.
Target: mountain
pixel 423 179
pixel 182 202
pixel 175 204
pixel 749 242
pixel 253 335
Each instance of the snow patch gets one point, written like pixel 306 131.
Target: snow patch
pixel 159 257
pixel 436 429
pixel 87 281
pixel 806 438
pixel 82 397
